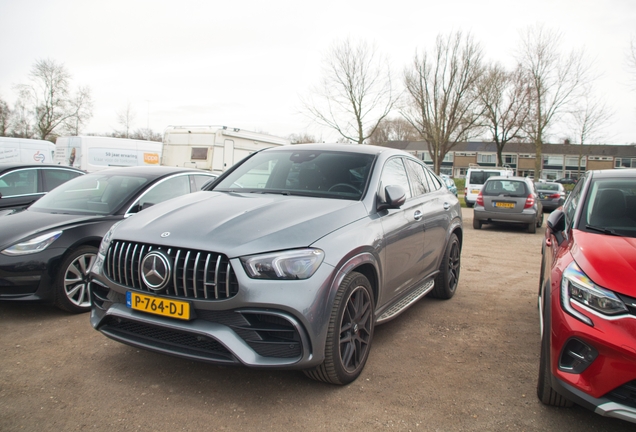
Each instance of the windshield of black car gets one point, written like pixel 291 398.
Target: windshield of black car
pixel 504 187
pixel 90 194
pixel 610 207
pixel 331 174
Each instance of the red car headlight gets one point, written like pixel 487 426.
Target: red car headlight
pixel 577 287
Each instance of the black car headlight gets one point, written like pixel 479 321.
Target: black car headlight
pixel 292 264
pixel 34 245
pixel 577 287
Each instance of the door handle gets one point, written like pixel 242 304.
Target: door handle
pixel 548 242
pixel 417 215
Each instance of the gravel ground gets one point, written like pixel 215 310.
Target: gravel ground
pixel 466 364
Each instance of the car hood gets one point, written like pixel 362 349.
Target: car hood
pixel 17 226
pixel 610 261
pixel 238 224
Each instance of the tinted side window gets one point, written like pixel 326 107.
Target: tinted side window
pixel 200 180
pixel 417 177
pixel 394 173
pixel 21 182
pixel 171 188
pixel 52 178
pixel 434 181
pixel 572 203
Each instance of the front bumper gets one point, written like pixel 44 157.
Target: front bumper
pixel 277 324
pixel 608 385
pixel 29 277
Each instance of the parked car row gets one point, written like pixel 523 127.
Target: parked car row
pixel 293 256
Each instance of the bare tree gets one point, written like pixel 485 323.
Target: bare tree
pixel 503 97
pixel 125 118
pixel 589 120
pixel 21 120
pixel 81 106
pixel 356 91
pixel 442 97
pixel 631 58
pixel 302 138
pixel 146 134
pixel 5 118
pixel 395 129
pixel 49 97
pixel 556 81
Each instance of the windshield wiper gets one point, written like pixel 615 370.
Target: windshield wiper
pixel 602 230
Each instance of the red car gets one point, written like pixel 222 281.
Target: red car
pixel 587 298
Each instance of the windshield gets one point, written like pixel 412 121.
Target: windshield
pixel 91 194
pixel 302 172
pixel 480 177
pixel 611 207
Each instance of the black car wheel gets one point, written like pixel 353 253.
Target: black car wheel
pixel 448 276
pixel 540 220
pixel 532 227
pixel 350 332
pixel 476 223
pixel 71 284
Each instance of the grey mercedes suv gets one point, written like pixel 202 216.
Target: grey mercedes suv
pixel 288 260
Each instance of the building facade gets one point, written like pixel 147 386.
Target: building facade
pixel 559 160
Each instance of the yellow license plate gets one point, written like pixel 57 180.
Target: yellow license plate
pixel 505 205
pixel 158 305
pixel 474 191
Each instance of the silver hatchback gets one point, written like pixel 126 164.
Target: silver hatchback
pixel 508 200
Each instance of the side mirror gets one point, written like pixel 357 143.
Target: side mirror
pixel 556 223
pixel 394 195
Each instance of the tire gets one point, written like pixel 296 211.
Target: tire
pixel 448 277
pixel 540 220
pixel 346 351
pixel 71 282
pixel 546 394
pixel 476 223
pixel 469 204
pixel 532 227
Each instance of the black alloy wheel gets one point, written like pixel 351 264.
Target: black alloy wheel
pixel 350 332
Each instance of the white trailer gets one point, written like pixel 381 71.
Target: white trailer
pixel 213 148
pixel 94 153
pixel 25 150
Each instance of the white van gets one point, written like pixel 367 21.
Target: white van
pixel 23 150
pixel 93 153
pixel 477 175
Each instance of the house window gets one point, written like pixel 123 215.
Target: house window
pixel 486 158
pixel 574 160
pixel 510 159
pixel 553 160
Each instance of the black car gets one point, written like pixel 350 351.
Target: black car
pixel 47 250
pixel 566 180
pixel 22 184
pixel 551 194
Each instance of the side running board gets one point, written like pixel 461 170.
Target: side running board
pixel 406 301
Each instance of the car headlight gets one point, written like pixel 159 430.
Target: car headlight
pixel 33 245
pixel 103 246
pixel 576 286
pixel 293 264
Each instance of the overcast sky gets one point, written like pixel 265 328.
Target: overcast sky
pixel 246 63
